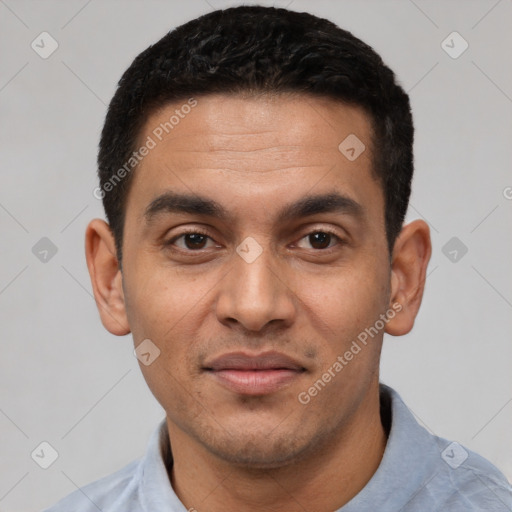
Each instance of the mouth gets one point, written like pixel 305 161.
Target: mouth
pixel 259 374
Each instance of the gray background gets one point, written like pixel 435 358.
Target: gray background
pixel 67 381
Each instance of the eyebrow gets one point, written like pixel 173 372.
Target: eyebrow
pixel 309 205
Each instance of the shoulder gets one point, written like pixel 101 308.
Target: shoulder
pixel 111 493
pixel 468 482
pixel 427 472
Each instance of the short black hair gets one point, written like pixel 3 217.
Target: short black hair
pixel 255 49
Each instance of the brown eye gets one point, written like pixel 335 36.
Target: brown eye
pixel 194 240
pixel 320 240
pixel 190 241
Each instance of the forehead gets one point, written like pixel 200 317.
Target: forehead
pixel 227 146
pixel 301 125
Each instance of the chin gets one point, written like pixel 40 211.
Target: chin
pixel 259 451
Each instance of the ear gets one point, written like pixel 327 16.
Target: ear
pixel 411 255
pixel 106 277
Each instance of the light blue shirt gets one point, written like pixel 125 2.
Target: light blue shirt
pixel 418 472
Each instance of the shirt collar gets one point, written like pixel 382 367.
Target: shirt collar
pixel 156 492
pixel 408 464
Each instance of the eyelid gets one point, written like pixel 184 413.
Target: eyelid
pixel 329 231
pixel 190 231
pixel 206 232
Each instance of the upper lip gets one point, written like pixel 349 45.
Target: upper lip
pixel 263 361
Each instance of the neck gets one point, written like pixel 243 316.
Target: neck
pixel 324 480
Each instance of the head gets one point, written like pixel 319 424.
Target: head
pixel 255 168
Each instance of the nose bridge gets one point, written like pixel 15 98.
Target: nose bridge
pixel 253 293
pixel 256 279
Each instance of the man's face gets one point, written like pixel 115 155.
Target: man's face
pixel 300 282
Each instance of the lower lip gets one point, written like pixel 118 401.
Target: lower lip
pixel 255 382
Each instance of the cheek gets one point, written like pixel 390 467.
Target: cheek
pixel 169 308
pixel 348 300
pixel 348 307
pixel 165 309
pixel 159 301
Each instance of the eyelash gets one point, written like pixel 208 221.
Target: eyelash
pixel 338 239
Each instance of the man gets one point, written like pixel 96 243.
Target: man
pixel 255 168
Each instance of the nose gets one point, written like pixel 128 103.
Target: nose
pixel 254 294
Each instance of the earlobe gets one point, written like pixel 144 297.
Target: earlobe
pixel 411 255
pixel 106 278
